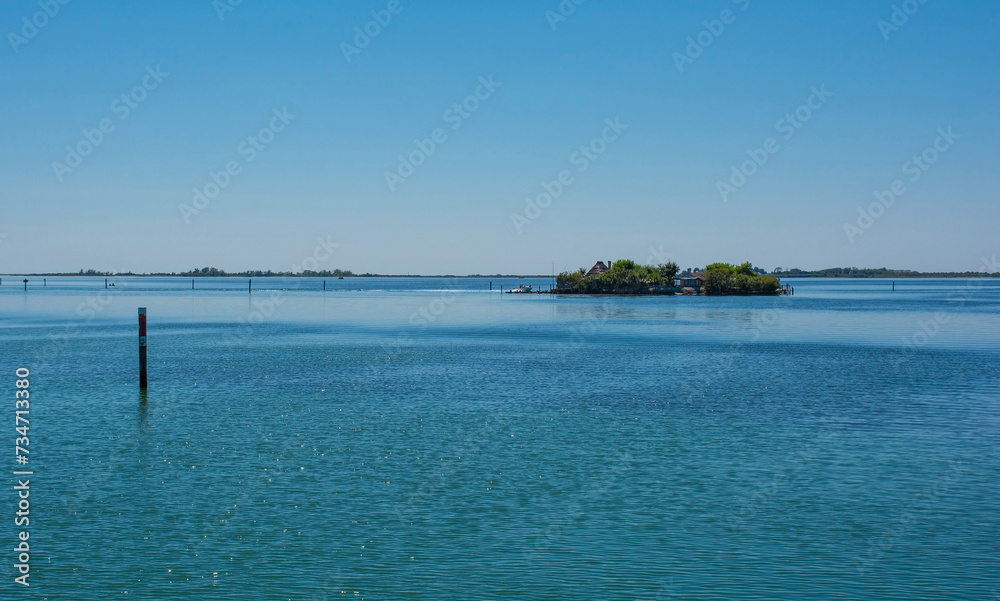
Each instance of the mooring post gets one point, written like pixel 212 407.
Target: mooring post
pixel 250 286
pixel 894 286
pixel 324 285
pixel 105 282
pixel 491 285
pixel 45 282
pixel 142 348
pixel 25 284
pixel 192 283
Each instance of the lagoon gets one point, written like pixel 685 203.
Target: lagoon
pixel 425 438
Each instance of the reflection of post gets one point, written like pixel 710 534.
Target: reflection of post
pixel 142 348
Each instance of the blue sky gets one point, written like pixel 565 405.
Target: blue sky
pixel 652 192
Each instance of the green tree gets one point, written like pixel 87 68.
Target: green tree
pixel 668 271
pixel 718 279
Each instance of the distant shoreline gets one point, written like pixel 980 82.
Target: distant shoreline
pixel 914 276
pixel 243 277
pixel 898 276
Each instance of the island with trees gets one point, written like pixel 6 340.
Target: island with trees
pixel 622 277
pixel 723 279
pixel 627 277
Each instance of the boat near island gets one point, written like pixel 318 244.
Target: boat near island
pixel 522 289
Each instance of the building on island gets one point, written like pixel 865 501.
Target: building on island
pixel 598 268
pixel 693 281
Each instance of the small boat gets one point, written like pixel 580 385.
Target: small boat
pixel 522 289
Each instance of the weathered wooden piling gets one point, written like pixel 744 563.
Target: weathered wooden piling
pixel 324 285
pixel 45 282
pixel 249 286
pixel 25 284
pixel 192 283
pixel 105 282
pixel 142 349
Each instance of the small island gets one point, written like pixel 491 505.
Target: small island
pixel 627 277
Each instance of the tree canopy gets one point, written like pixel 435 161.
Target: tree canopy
pixel 725 279
pixel 624 277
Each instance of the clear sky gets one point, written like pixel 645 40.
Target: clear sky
pixel 659 185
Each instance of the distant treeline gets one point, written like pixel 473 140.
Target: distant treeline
pixel 213 272
pixel 836 272
pixel 881 272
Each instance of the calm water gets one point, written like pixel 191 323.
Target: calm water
pixel 427 439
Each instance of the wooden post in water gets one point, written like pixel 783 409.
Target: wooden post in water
pixel 192 283
pixel 105 283
pixel 249 286
pixel 894 286
pixel 142 348
pixel 25 284
pixel 491 285
pixel 324 285
pixel 45 282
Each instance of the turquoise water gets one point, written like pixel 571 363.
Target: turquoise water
pixel 409 438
